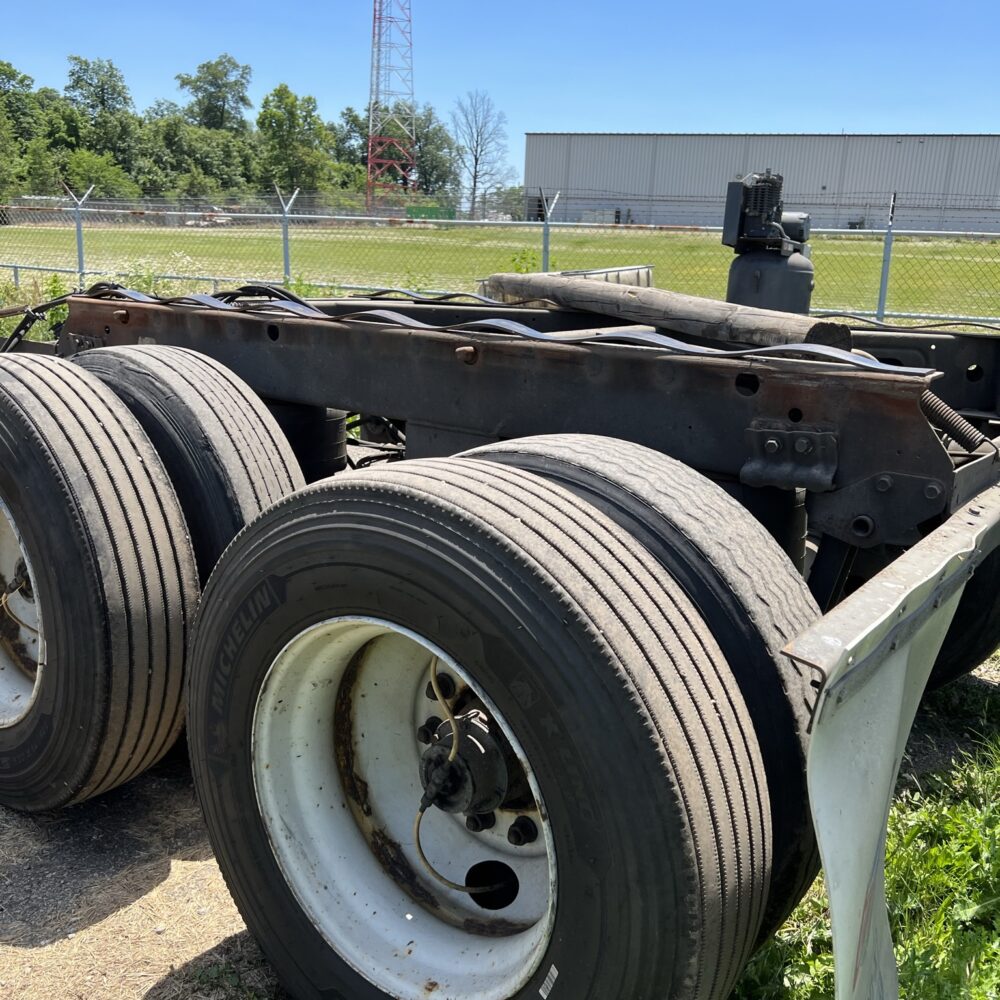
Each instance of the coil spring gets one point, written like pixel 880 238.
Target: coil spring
pixel 944 418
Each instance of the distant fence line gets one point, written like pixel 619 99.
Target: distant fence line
pixel 881 273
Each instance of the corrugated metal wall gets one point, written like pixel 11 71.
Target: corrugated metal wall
pixel 942 181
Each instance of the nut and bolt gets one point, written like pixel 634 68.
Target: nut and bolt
pixel 883 484
pixel 803 446
pixel 426 732
pixel 522 831
pixel 772 446
pixel 932 491
pixel 445 683
pixel 480 822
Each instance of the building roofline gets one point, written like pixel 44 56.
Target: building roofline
pixel 786 135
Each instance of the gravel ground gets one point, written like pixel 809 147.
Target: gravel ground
pixel 120 898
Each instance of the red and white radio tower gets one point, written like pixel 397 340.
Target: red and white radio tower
pixel 391 111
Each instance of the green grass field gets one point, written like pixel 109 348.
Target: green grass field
pixel 947 277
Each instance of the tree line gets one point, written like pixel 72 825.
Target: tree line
pixel 90 133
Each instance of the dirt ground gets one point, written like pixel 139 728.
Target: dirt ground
pixel 121 898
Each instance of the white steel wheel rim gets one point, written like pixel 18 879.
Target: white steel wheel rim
pixel 384 924
pixel 22 643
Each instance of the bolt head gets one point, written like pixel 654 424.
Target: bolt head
pixel 932 491
pixel 803 446
pixel 523 831
pixel 480 822
pixel 445 683
pixel 772 446
pixel 425 734
pixel 883 484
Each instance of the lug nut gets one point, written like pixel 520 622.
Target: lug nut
pixel 426 732
pixel 445 683
pixel 480 822
pixel 523 831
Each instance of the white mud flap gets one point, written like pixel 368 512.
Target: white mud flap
pixel 875 651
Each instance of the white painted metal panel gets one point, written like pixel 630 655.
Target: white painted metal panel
pixel 943 181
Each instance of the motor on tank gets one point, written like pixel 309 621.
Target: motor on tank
pixel 772 269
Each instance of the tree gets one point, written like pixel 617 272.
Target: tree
pixel 85 167
pixel 97 85
pixel 479 129
pixel 162 108
pixel 219 88
pixel 436 155
pixel 295 141
pixel 10 160
pixel 41 171
pixel 13 81
pixel 350 137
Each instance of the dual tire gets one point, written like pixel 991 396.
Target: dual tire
pixel 122 478
pixel 511 565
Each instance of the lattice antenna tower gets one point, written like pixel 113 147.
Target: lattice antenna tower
pixel 391 109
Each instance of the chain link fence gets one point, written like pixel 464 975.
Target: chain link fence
pixel 905 275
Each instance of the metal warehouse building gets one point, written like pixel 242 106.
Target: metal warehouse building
pixel 943 182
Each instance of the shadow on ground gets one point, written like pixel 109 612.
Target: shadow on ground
pixel 66 870
pixel 235 968
pixel 950 723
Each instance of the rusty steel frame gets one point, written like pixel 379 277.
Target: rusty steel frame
pixel 876 471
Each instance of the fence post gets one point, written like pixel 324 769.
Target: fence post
pixel 546 213
pixel 81 269
pixel 286 252
pixel 883 288
pixel 17 276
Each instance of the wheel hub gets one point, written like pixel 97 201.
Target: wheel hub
pixel 476 780
pixel 341 824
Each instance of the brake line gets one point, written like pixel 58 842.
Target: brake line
pixel 434 784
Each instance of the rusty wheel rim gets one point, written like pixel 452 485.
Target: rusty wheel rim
pixel 337 762
pixel 22 641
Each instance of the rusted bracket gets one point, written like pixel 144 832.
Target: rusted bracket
pixel 790 457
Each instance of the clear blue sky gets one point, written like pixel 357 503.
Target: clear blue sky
pixel 646 66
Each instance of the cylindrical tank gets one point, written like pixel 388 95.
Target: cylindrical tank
pixel 767 280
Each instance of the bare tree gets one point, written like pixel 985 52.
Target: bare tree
pixel 479 129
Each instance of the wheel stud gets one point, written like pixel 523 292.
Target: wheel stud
pixel 480 822
pixel 426 732
pixel 445 683
pixel 523 831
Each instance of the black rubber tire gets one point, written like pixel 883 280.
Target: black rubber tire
pixel 116 585
pixel 974 633
pixel 225 454
pixel 641 744
pixel 745 588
